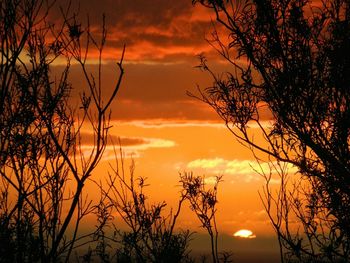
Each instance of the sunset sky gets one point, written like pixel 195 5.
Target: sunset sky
pixel 163 129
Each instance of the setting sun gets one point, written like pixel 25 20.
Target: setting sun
pixel 244 233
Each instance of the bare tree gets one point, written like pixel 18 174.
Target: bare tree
pixel 43 169
pixel 291 58
pixel 150 235
pixel 203 201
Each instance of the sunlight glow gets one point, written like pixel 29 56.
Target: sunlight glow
pixel 244 233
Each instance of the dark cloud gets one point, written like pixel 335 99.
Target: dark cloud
pixel 127 14
pixel 127 141
pixel 163 38
pixel 149 91
pixel 157 29
pixel 88 139
pixel 177 110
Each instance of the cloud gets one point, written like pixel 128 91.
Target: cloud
pixel 148 91
pixel 206 163
pixel 153 92
pixel 130 146
pixel 161 31
pixel 128 141
pixel 167 123
pixel 153 143
pixel 243 170
pixel 212 180
pixel 87 137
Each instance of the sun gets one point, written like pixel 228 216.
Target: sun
pixel 244 233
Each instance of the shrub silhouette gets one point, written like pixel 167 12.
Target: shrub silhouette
pixel 151 236
pixel 288 63
pixel 43 169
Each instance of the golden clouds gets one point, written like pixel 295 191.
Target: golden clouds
pixel 131 147
pixel 206 163
pixel 238 170
pixel 166 123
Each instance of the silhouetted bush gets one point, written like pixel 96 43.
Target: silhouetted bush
pixel 150 236
pixel 288 74
pixel 43 169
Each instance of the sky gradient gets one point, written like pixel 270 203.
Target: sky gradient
pixel 164 130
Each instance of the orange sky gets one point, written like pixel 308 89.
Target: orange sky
pixel 167 131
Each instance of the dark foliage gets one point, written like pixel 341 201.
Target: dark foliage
pixel 291 58
pixel 42 167
pixel 149 235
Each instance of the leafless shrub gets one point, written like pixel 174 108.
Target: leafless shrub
pixel 43 169
pixel 291 60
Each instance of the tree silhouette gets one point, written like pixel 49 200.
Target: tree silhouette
pixel 203 203
pixel 150 235
pixel 43 168
pixel 291 58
